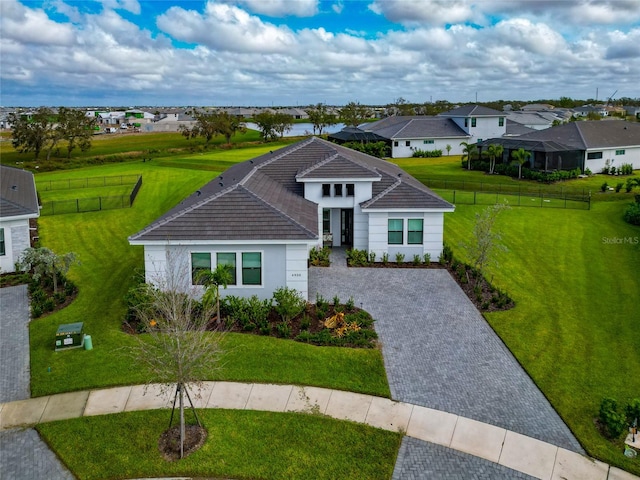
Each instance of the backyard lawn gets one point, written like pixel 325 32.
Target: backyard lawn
pixel 574 328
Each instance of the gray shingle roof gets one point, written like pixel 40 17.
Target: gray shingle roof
pixel 590 134
pixel 260 199
pixel 400 127
pixel 473 111
pixel 17 193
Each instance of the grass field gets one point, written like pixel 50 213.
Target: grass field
pixel 240 444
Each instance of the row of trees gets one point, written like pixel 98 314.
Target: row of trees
pixel 470 151
pixel 44 131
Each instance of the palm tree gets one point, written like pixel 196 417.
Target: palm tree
pixel 520 156
pixel 469 150
pixel 212 281
pixel 494 150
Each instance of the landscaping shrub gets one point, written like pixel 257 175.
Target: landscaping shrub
pixel 625 169
pixel 288 303
pixel 632 411
pixel 613 423
pixel 399 258
pixel 416 259
pixel 632 214
pixel 447 255
pixel 357 258
pixel 426 258
pixel 619 187
pixel 604 187
pixel 427 153
pixel 319 257
pixel 376 149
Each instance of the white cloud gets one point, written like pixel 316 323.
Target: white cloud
pixel 535 38
pixel 131 6
pixel 431 12
pixel 224 27
pixel 31 26
pixel 279 8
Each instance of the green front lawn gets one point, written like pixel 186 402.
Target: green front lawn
pixel 575 325
pixel 109 266
pixel 240 444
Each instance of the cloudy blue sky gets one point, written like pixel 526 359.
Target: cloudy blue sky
pixel 300 52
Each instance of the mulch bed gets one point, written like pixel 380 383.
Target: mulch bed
pixel 169 443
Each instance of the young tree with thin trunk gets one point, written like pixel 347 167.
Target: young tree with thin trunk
pixel 448 147
pixel 494 151
pixel 44 262
pixel 177 350
pixel 212 281
pixel 320 117
pixel 486 240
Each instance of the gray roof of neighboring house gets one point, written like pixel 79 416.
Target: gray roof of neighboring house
pixel 401 127
pixel 260 199
pixel 17 193
pixel 355 134
pixel 532 118
pixel 472 111
pixel 516 129
pixel 590 134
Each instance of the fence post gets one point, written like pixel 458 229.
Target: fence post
pixel 77 205
pixel 474 196
pixel 454 196
pixel 100 203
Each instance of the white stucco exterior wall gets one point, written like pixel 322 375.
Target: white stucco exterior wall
pixel 631 155
pixel 405 151
pixel 16 240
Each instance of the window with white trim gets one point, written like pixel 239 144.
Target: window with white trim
pixel 3 250
pixel 337 189
pixel 251 268
pixel 415 230
pixel 473 121
pixel 228 259
pixel 326 190
pixel 200 263
pixel 619 152
pixel 395 231
pixel 428 142
pixel 351 189
pixel 326 220
pixel 501 122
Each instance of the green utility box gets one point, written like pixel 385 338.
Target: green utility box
pixel 70 335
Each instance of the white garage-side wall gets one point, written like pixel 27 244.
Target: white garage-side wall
pixel 281 265
pixel 16 240
pixel 402 150
pixel 432 235
pixel 615 156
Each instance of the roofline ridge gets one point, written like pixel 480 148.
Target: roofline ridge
pixel 279 156
pixel 274 208
pixel 584 142
pixel 317 165
pixel 391 187
pixel 178 214
pixel 19 206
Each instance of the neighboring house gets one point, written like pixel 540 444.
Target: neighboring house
pixel 534 120
pixel 18 204
pixel 470 124
pixel 585 145
pixel 585 110
pixel 264 215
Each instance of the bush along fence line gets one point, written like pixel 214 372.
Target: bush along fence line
pixel 516 199
pixel 519 188
pixel 93 204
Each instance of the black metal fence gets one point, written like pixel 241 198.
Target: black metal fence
pixel 517 199
pixel 79 205
pixel 88 182
pixel 521 189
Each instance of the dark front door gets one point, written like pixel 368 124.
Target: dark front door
pixel 346 227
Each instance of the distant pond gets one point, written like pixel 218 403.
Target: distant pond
pixel 300 129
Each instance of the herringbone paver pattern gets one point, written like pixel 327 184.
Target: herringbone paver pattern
pixel 439 352
pixel 419 460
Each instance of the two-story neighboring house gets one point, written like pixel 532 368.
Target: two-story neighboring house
pixel 470 124
pixel 478 122
pixel 261 217
pixel 18 204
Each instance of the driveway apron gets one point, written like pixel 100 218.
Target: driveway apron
pixel 439 352
pixel 23 454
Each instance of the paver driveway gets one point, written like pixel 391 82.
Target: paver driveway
pixel 440 352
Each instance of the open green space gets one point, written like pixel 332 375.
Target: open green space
pixel 240 444
pixel 107 191
pixel 109 266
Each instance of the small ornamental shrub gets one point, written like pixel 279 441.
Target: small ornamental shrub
pixel 426 258
pixel 613 422
pixel 372 257
pixel 625 169
pixel 283 329
pixel 399 258
pixel 619 187
pixel 427 153
pixel 588 172
pixel 447 255
pixel 416 259
pixel 288 303
pixel 385 258
pixel 350 305
pixel 632 214
pixel 604 187
pixel 632 411
pixel 612 171
pixel 319 257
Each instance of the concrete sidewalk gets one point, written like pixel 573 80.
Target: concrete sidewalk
pixel 503 447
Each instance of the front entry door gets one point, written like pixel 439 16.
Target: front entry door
pixel 346 227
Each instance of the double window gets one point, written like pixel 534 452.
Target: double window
pixel 619 152
pixel 594 155
pixel 415 231
pixel 428 142
pixel 501 122
pixel 473 122
pixel 251 266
